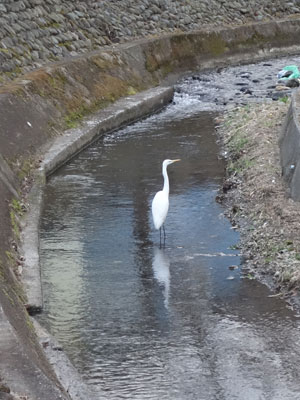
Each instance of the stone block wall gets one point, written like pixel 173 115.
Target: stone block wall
pixel 36 32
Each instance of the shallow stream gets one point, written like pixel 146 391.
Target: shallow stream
pixel 178 322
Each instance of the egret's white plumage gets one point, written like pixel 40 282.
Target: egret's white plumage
pixel 160 203
pixel 160 208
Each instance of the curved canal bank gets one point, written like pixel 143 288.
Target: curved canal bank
pixel 38 106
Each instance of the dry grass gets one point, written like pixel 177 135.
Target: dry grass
pixel 268 220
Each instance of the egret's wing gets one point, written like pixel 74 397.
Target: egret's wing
pixel 160 207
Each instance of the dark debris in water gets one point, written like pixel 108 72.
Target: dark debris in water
pixel 219 87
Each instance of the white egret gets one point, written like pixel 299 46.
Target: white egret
pixel 160 203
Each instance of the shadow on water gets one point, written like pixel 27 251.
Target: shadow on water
pixel 143 322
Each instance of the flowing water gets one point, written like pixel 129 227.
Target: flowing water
pixel 144 322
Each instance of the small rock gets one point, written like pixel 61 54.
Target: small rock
pixel 57 348
pixel 4 389
pixel 292 83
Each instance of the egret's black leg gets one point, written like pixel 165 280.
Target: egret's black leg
pixel 164 234
pixel 160 238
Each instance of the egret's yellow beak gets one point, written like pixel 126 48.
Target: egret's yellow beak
pixel 178 159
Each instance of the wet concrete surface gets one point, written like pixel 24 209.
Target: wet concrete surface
pixel 18 371
pixel 144 322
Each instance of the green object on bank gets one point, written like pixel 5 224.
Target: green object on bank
pixel 289 72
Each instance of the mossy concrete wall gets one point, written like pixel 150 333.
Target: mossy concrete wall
pixel 40 106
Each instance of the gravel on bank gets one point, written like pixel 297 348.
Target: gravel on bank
pixel 256 199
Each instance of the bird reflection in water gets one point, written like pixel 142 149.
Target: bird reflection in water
pixel 161 270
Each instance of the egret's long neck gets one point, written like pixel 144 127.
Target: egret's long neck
pixel 166 180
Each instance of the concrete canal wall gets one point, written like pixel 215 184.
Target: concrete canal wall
pixel 46 111
pixel 290 148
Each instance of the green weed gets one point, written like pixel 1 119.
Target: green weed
pixel 239 166
pixel 15 224
pixel 284 99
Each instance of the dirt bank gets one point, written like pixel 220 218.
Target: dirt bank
pixel 256 197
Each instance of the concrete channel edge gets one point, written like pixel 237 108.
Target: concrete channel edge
pixel 123 112
pixel 289 143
